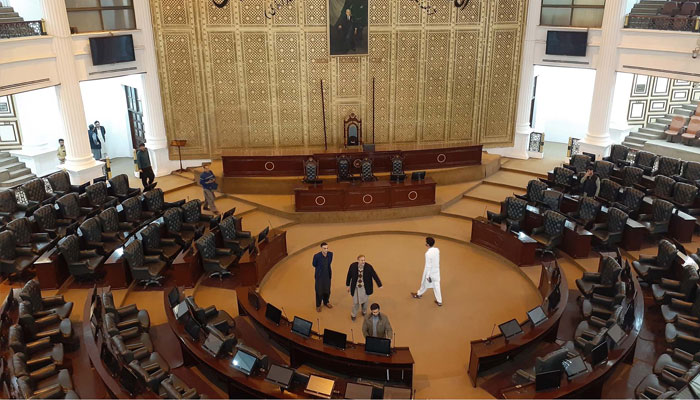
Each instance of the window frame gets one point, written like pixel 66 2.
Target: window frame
pixel 100 9
pixel 571 7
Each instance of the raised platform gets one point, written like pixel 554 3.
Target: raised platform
pixel 674 150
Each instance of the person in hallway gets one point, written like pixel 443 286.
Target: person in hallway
pixel 360 285
pixel 61 154
pixel 143 162
pixel 102 137
pixel 322 264
pixel 590 183
pixel 209 185
pixel 377 324
pixel 431 272
pixel 95 143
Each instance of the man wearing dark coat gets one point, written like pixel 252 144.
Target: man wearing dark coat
pixel 359 284
pixel 322 264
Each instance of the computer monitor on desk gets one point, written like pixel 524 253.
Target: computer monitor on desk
pixel 263 235
pixel 335 339
pixel 280 376
pixel 273 314
pixel 320 387
pixel 377 345
pixel 510 329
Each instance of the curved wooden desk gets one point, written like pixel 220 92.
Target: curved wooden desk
pixel 519 248
pixel 353 361
pixel 489 352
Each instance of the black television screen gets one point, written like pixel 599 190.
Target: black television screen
pixel 301 327
pixel 567 43
pixel 547 380
pixel 192 328
pixel 377 345
pixel 273 313
pixel 335 339
pixel 112 49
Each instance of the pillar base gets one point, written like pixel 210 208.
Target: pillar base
pixel 80 175
pixel 599 148
pixel 520 146
pixel 40 161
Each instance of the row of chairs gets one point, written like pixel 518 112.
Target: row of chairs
pixel 343 169
pixel 682 130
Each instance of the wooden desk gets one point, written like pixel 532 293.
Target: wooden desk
pixel 186 268
pixel 254 268
pixel 117 273
pixel 682 227
pixel 633 236
pixel 289 162
pixel 487 353
pixel 518 248
pixel 576 241
pixel 51 270
pixel 353 361
pixel 346 196
pixel 569 204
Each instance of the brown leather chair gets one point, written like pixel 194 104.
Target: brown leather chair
pixel 675 129
pixel 692 132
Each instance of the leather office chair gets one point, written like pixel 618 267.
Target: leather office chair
pixel 656 386
pixel 112 228
pixel 49 382
pixel 578 163
pixel 173 387
pixel 127 316
pixel 397 171
pixel 51 326
pixel 653 268
pixel 551 232
pixel 658 221
pixel 366 174
pixel 550 362
pixel 668 166
pixel 216 261
pixel 645 161
pixel 97 195
pixel 603 169
pixel 618 155
pixel 60 183
pixel 134 213
pixel 551 199
pixel 684 195
pixel 192 215
pixel 563 179
pixel 24 236
pixel 14 260
pixel 311 172
pixel 150 373
pixel 154 201
pixel 147 270
pixel 676 360
pixel 175 226
pixel 601 306
pixel 210 316
pixel 35 190
pixel 610 232
pixel 683 334
pixel 535 188
pixel 663 187
pixel 675 129
pixel 93 238
pixel 120 187
pixel 69 208
pixel 683 289
pixel 691 173
pixel 681 309
pixel 154 244
pixel 630 201
pixel 692 131
pixel 236 240
pixel 602 282
pixel 512 213
pixel 11 208
pixel 609 191
pixel 39 352
pixel 131 344
pixel 631 176
pixel 43 306
pixel 47 220
pixel 343 165
pixel 587 213
pixel 82 264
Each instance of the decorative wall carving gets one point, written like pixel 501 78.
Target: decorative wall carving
pixel 231 78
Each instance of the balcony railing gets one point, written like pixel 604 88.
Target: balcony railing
pixel 662 22
pixel 21 29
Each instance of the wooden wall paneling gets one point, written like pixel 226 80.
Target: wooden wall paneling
pixel 318 68
pixel 406 94
pixel 435 90
pixel 290 126
pixel 258 89
pixel 379 68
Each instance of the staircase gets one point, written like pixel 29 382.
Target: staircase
pixel 655 130
pixel 8 14
pixel 13 172
pixel 647 7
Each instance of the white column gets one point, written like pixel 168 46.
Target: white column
pixel 527 77
pixel 597 139
pixel 156 139
pixel 80 164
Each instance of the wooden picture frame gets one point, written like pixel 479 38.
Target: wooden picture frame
pixel 344 40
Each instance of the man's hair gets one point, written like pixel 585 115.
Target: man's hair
pixel 374 306
pixel 589 168
pixel 324 244
pixel 60 140
pixel 142 144
pixel 97 122
pixel 360 256
pixel 430 241
pixel 206 164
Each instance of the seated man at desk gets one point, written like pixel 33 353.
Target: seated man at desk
pixel 377 324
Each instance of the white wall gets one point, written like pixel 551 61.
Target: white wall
pixel 563 102
pixel 621 99
pixel 39 117
pixel 30 10
pixel 105 101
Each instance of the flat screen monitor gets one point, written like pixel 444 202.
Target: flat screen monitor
pixel 320 387
pixel 280 376
pixel 553 298
pixel 418 176
pixel 192 328
pixel 254 300
pixel 377 345
pixel 358 391
pixel 273 313
pixel 244 362
pixel 174 296
pixel 616 334
pixel 393 392
pixel 574 366
pixel 537 315
pixel 263 234
pixel 213 345
pixel 112 49
pixel 599 353
pixel 567 43
pixel 335 339
pixel 510 328
pixel 547 380
pixel 181 310
pixel 301 327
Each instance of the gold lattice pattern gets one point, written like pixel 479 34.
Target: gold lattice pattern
pixel 380 12
pixel 222 52
pixel 380 68
pixel 435 95
pixel 175 12
pixel 318 68
pixel 406 103
pixel 257 89
pixel 464 92
pixel 291 130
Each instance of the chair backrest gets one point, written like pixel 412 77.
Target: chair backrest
pixel 97 193
pixel 515 208
pixel 688 8
pixel 535 189
pixel 109 219
pixel 616 220
pixel 228 228
pixel 631 175
pixel 173 219
pixel 618 153
pixel 684 193
pixel 609 190
pixel 8 203
pixel 120 184
pixel 669 8
pixel 310 170
pixel 133 253
pixel 397 165
pixel 563 176
pixel 677 123
pixel 69 247
pixel 661 210
pixel 35 190
pixel 552 361
pixel 666 255
pixel 154 199
pixel 150 237
pixel 632 198
pixel 206 245
pixel 59 181
pixel 91 229
pixel 22 229
pixel 45 218
pixel 609 271
pixel 366 170
pixel 669 166
pixel 580 162
pixel 588 209
pixel 8 241
pixel 69 206
pixel 603 168
pixel 644 159
pixel 691 171
pixel 132 209
pixel 663 186
pixel 192 210
pixel 552 199
pixel 343 166
pixel 693 126
pixel 689 279
pixel 553 223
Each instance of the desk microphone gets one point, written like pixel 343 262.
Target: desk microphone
pixel 488 341
pixel 285 314
pixel 318 322
pixel 353 337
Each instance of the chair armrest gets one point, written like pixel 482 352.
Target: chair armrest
pixel 537 230
pixel 648 259
pixel 680 304
pixel 49 319
pixel 37 345
pixel 212 261
pixel 591 276
pixel 689 325
pixel 53 301
pixel 596 321
pixel 153 252
pixel 151 259
pixel 40 235
pixel 23 251
pixel 682 355
pixel 670 284
pixel 110 236
pixel 95 245
pixel 167 241
pixel 223 252
pixel 88 253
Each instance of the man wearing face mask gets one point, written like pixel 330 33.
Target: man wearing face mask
pixel 359 284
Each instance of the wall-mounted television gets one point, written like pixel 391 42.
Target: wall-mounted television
pixel 567 43
pixel 112 49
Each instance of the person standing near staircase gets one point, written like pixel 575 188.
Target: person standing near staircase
pixel 208 181
pixel 143 161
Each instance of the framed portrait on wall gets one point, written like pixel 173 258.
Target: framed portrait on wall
pixel 348 27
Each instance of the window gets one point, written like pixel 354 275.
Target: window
pixel 100 15
pixel 581 13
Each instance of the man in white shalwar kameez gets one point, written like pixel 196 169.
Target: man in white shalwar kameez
pixel 431 272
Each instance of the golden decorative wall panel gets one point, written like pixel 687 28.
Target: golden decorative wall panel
pixel 231 78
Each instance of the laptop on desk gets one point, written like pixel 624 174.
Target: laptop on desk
pixel 319 387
